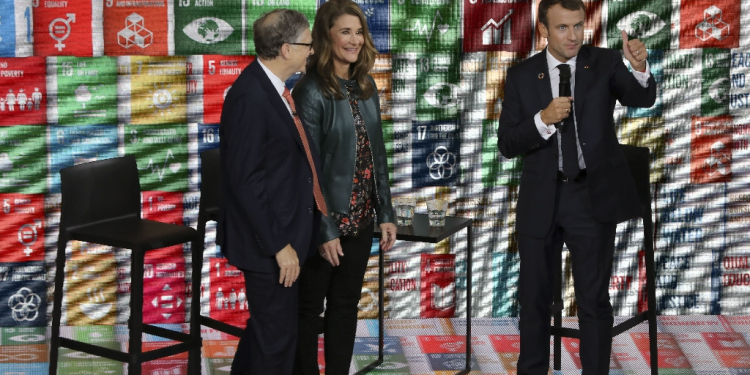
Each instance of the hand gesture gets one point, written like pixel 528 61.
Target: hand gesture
pixel 289 265
pixel 331 251
pixel 635 51
pixel 387 236
pixel 557 110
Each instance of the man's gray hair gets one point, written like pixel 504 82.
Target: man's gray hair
pixel 275 28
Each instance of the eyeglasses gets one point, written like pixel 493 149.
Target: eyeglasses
pixel 309 45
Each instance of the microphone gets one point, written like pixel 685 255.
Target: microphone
pixel 564 89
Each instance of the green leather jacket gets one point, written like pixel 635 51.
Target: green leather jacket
pixel 331 125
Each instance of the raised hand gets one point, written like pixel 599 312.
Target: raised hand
pixel 635 51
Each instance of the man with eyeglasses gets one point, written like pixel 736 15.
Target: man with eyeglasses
pixel 271 198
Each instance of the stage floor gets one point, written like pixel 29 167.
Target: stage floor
pixel 705 344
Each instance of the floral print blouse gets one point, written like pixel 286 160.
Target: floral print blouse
pixel 361 206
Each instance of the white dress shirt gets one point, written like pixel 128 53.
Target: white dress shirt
pixel 545 130
pixel 277 83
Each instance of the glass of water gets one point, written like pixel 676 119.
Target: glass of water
pixel 436 209
pixel 405 209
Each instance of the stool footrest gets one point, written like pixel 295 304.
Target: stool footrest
pixel 372 366
pixel 166 333
pixel 169 350
pixel 221 326
pixel 566 332
pixel 630 323
pixel 94 349
pixel 121 356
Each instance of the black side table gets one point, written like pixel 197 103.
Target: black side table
pixel 421 231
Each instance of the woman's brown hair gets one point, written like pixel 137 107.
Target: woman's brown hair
pixel 322 61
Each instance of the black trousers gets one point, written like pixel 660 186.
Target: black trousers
pixel 340 288
pixel 591 245
pixel 270 339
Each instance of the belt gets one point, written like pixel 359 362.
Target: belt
pixel 579 177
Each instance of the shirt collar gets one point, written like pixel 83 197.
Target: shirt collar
pixel 275 80
pixel 552 62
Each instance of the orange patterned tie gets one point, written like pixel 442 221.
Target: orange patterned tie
pixel 319 200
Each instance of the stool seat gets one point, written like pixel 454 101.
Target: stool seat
pixel 133 233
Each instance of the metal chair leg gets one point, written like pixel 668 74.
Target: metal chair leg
pixel 136 312
pixel 57 304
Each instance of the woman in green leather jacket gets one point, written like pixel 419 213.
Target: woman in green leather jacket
pixel 338 102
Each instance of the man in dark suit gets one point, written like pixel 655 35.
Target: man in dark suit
pixel 575 184
pixel 271 196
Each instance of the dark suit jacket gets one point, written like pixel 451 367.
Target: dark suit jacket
pixel 267 196
pixel 601 78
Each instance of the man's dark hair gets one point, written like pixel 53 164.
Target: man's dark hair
pixel 544 6
pixel 275 28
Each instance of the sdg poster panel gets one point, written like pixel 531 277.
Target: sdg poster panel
pixel 64 27
pixel 158 90
pixel 22 227
pixel 12 336
pixel 175 364
pixel 715 83
pixel 86 90
pixel 162 155
pixel 23 159
pixel 90 285
pixel 16 27
pixel 709 24
pixel 23 295
pixel 208 137
pixel 208 26
pixel 137 28
pixel 73 145
pixel 438 92
pixel 255 8
pixel 23 91
pixel 164 286
pixel 648 21
pixel 425 26
pixel 219 73
pixel 228 298
pixel 435 153
pixel 711 150
pixel 438 286
pixel 495 26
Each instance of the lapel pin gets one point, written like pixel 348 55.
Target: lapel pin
pixel 541 75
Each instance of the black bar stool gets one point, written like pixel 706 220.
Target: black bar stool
pixel 209 211
pixel 638 159
pixel 101 204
